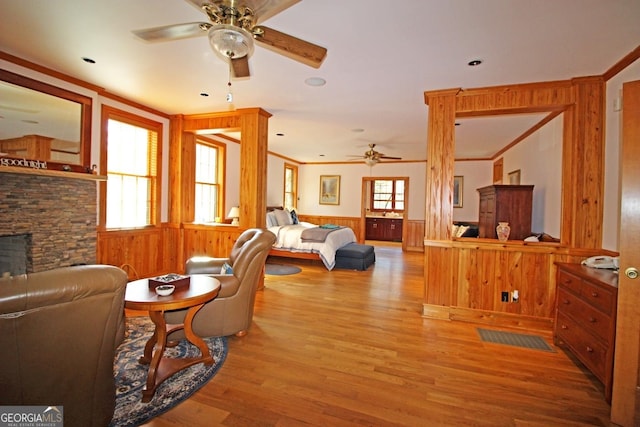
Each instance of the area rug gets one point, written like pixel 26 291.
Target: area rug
pixel 131 376
pixel 534 342
pixel 281 269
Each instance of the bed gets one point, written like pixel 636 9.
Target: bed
pixel 291 243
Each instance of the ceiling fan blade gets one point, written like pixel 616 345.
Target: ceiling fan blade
pixel 173 32
pixel 292 47
pixel 389 157
pixel 240 66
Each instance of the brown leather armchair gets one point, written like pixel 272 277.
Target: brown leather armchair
pixel 231 312
pixel 59 330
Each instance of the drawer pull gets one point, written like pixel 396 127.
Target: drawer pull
pixel 566 301
pixel 592 320
pixel 564 327
pixel 594 294
pixel 589 349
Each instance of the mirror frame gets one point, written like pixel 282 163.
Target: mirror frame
pixel 85 117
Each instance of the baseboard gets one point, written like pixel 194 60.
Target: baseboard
pixel 493 318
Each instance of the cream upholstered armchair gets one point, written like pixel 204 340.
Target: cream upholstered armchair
pixel 231 312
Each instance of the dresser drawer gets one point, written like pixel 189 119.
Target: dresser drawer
pixel 584 345
pixel 598 296
pixel 592 320
pixel 601 297
pixel 570 282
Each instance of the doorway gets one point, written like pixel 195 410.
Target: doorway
pixel 384 209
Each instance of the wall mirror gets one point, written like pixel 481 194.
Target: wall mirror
pixel 39 121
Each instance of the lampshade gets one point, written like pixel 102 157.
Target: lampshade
pixel 229 41
pixel 234 214
pixel 370 161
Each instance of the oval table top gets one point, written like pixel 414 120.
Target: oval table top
pixel 140 296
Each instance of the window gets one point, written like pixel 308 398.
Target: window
pixel 209 181
pixel 132 160
pixel 387 195
pixel 290 186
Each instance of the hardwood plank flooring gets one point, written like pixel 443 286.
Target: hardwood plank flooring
pixel 345 348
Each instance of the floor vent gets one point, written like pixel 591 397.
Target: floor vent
pixel 534 342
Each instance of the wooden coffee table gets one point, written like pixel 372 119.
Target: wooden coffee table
pixel 139 296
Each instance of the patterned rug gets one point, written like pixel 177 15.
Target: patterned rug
pixel 131 375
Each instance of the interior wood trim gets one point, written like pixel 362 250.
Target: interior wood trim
pixel 629 59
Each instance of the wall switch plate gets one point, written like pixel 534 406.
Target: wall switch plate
pixel 505 296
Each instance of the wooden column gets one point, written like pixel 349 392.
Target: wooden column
pixel 253 166
pixel 440 163
pixel 583 164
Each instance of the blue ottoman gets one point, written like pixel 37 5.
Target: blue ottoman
pixel 355 256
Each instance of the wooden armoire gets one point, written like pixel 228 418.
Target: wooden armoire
pixel 505 203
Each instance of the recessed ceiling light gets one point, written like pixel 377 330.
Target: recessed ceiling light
pixel 315 81
pixel 88 60
pixel 474 63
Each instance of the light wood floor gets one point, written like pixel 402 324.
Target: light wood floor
pixel 346 348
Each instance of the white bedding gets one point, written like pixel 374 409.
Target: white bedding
pixel 288 239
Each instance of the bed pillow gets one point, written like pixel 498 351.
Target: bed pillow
pixel 283 217
pixel 272 221
pixel 226 269
pixel 294 216
pixel 461 230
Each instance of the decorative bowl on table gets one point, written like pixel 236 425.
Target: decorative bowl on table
pixel 165 290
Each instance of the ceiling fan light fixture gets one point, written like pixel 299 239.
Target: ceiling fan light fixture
pixel 229 41
pixel 371 161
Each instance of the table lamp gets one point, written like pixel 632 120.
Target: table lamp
pixel 234 213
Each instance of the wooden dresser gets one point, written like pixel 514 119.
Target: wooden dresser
pixel 585 323
pixel 505 203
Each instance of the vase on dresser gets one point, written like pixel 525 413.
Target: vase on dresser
pixel 503 230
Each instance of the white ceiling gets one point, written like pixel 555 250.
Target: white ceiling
pixel 382 56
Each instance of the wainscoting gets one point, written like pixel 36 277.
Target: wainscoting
pixel 473 273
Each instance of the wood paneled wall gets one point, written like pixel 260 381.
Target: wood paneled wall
pixel 215 241
pixel 472 274
pixel 464 279
pixel 142 252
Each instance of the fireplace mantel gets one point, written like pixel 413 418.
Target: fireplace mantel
pixel 53 173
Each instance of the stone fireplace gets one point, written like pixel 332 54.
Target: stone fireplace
pixel 46 221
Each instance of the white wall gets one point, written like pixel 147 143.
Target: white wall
pixel 613 132
pixel 539 158
pixel 475 174
pixel 275 181
pixel 350 186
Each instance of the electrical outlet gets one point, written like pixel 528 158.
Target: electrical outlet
pixel 515 296
pixel 505 296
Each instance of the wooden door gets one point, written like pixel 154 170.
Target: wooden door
pixel 625 404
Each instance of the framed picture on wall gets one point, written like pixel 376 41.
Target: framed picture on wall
pixel 329 189
pixel 457 191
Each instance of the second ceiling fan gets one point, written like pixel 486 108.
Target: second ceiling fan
pixel 232 29
pixel 372 157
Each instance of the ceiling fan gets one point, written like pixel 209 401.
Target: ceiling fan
pixel 372 157
pixel 234 27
